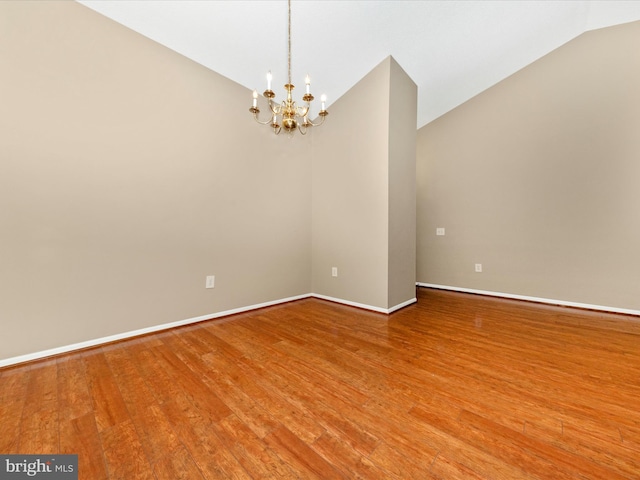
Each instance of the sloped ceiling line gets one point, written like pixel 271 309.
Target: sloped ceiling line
pixel 451 49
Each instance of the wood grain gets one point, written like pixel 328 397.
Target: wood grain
pixel 456 386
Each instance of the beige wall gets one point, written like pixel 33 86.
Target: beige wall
pixel 537 179
pixel 363 177
pixel 403 105
pixel 127 174
pixel 350 194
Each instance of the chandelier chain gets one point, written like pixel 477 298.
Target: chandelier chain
pixel 289 43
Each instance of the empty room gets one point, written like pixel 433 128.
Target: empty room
pixel 319 239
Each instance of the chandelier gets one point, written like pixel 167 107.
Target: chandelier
pixel 288 115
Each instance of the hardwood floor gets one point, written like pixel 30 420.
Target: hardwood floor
pixel 456 386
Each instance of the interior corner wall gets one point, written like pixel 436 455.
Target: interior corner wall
pixel 363 195
pixel 537 179
pixel 128 173
pixel 403 106
pixel 350 194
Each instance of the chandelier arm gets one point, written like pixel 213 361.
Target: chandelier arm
pixel 311 124
pixel 255 117
pixel 276 108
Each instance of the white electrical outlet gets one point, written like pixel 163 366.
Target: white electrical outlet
pixel 210 281
pixel 478 267
pixel 334 271
pixel 440 231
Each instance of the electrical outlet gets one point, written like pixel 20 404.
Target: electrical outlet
pixel 478 267
pixel 334 271
pixel 210 282
pixel 440 231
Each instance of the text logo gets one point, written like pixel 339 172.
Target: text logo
pixel 44 467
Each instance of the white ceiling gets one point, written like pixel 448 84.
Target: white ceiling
pixel 451 49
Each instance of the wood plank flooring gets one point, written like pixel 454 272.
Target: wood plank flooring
pixel 454 387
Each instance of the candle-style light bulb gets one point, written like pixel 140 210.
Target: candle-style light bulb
pixel 307 80
pixel 255 98
pixel 323 99
pixel 269 77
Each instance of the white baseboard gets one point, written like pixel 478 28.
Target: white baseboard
pixel 156 328
pixel 402 305
pixel 143 331
pixel 550 301
pixel 365 306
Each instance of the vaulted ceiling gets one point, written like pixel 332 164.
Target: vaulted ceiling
pixel 451 49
